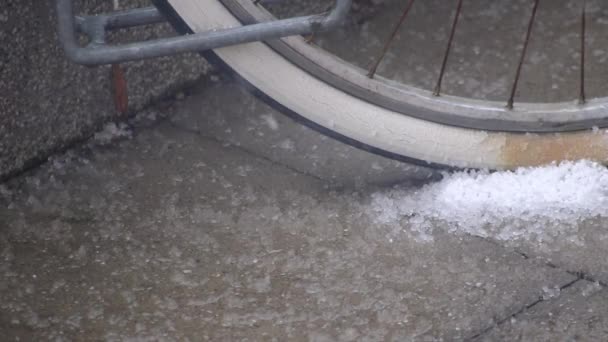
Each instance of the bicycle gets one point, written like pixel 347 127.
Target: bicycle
pixel 357 105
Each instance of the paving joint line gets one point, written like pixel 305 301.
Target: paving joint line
pixel 167 96
pixel 329 183
pixel 520 311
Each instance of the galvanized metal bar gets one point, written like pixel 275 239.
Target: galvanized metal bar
pixel 120 19
pixel 134 17
pixel 99 53
pixel 95 26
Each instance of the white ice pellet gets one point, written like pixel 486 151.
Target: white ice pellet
pixel 270 121
pixel 111 132
pixel 528 203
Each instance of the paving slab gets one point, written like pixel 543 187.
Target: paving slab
pixel 578 313
pixel 174 236
pixel 221 108
pixel 579 248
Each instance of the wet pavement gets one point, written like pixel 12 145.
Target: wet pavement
pixel 232 225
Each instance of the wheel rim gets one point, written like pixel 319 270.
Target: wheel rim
pixel 371 127
pixel 422 104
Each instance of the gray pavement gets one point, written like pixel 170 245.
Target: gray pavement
pixel 579 314
pixel 190 230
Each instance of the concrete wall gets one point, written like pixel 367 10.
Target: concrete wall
pixel 47 102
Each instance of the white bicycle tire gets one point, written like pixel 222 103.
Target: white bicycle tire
pixel 377 128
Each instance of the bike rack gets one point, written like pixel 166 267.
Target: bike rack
pixel 97 51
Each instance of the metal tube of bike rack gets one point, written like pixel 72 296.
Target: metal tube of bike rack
pixel 97 52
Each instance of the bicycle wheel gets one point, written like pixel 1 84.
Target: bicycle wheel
pixel 391 118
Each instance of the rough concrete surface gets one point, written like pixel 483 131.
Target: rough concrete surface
pixel 47 102
pixel 189 233
pixel 173 235
pixel 579 314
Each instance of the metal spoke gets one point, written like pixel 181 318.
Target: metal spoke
pixel 444 63
pixel 372 70
pixel 581 95
pixel 523 55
